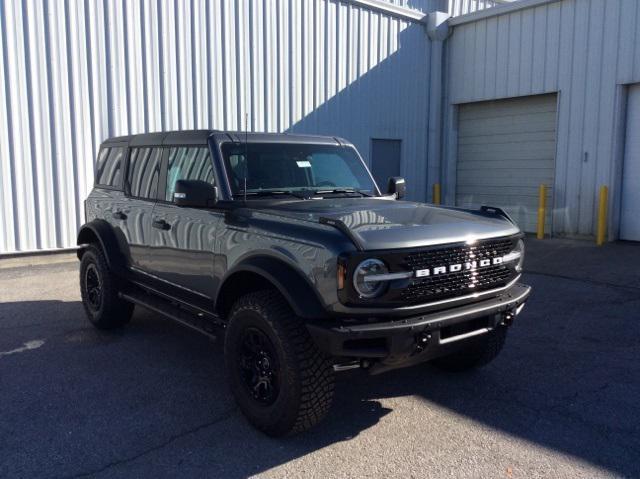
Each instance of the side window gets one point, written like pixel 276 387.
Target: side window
pixel 188 163
pixel 109 167
pixel 144 172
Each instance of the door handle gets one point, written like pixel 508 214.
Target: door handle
pixel 119 215
pixel 161 225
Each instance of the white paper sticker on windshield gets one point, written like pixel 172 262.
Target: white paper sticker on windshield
pixel 304 164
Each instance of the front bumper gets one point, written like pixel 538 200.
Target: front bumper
pixel 402 342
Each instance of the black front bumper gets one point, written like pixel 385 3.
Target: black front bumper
pixel 407 341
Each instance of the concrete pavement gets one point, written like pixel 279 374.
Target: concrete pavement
pixel 562 400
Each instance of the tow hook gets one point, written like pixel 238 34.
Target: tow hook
pixel 508 318
pixel 422 341
pixel 363 363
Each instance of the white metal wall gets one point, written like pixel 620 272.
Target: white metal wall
pixel 584 49
pixel 74 73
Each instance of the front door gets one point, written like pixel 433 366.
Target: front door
pixel 182 253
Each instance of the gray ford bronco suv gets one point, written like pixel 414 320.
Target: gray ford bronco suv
pixel 285 246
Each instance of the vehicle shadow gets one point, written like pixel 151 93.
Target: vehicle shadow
pixel 152 398
pixel 145 396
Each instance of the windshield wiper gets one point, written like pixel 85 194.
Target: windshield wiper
pixel 263 193
pixel 344 191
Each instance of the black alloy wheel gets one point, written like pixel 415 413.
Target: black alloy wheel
pixel 93 286
pixel 259 367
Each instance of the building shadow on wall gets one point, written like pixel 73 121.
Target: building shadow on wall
pixel 390 100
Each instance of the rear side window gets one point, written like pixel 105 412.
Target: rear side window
pixel 144 172
pixel 109 167
pixel 188 163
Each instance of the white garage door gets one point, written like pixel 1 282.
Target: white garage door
pixel 630 213
pixel 506 149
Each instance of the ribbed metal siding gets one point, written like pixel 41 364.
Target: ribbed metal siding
pixel 74 73
pixel 585 50
pixel 462 7
pixel 453 7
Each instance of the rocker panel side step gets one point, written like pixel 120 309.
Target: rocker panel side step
pixel 205 324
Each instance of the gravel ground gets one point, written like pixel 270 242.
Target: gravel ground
pixel 151 401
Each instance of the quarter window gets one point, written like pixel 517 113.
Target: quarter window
pixel 109 167
pixel 188 163
pixel 144 172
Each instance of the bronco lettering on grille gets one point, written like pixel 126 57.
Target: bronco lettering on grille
pixel 454 268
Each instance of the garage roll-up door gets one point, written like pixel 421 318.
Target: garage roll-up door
pixel 630 212
pixel 506 149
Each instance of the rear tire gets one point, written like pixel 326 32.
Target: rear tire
pixel 99 289
pixel 478 353
pixel 282 383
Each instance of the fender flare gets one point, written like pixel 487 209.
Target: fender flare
pixel 103 232
pixel 291 283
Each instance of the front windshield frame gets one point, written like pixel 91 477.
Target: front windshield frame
pixel 237 193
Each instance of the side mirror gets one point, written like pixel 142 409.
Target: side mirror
pixel 195 194
pixel 397 186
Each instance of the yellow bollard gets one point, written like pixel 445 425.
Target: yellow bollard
pixel 602 216
pixel 542 210
pixel 436 193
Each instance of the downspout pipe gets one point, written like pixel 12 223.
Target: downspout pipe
pixel 438 31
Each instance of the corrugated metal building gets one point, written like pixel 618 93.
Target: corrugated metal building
pixel 74 73
pixel 546 91
pixel 504 98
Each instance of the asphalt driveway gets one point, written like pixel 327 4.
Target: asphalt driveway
pixel 563 399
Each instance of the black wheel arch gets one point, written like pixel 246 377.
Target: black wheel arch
pixel 260 272
pixel 101 233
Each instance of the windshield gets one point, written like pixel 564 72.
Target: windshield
pixel 289 168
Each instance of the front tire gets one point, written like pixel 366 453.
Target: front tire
pixel 99 289
pixel 282 383
pixel 478 353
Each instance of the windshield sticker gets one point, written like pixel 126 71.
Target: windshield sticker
pixel 304 164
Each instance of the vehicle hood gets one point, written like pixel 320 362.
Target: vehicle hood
pixel 380 223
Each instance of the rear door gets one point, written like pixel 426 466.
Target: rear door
pixel 107 200
pixel 141 189
pixel 184 238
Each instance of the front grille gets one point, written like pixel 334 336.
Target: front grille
pixel 448 285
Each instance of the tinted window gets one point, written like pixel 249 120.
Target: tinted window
pixel 188 163
pixel 144 171
pixel 109 167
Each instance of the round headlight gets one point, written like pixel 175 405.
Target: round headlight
pixel 516 255
pixel 364 281
pixel 520 249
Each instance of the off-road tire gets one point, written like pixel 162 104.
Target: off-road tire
pixel 109 311
pixel 479 352
pixel 306 377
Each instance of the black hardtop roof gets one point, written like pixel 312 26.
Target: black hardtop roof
pixel 200 137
